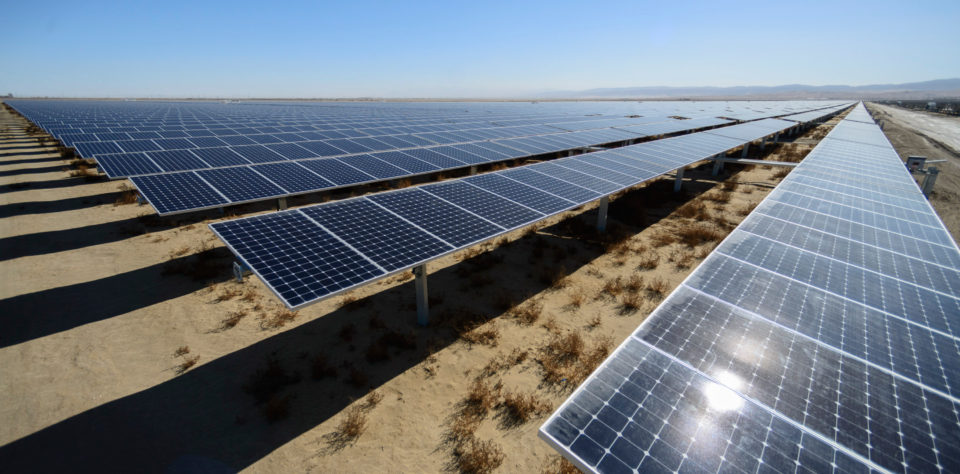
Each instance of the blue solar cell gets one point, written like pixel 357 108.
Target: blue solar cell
pixel 373 166
pixel 568 191
pixel 395 142
pixel 126 164
pixel 372 144
pixel 528 196
pixel 293 177
pixel 290 137
pixel 111 136
pixel 207 142
pixel 297 259
pixel 174 143
pixel 92 149
pixel 442 219
pixel 337 172
pixel 264 139
pixel 241 183
pixel 237 140
pixel 322 148
pixel 484 204
pixel 406 162
pixel 173 134
pixel 459 155
pixel 349 146
pixel 145 135
pixel 291 151
pixel 486 153
pixel 388 240
pixel 137 145
pixel 223 156
pixel 581 165
pixel 586 181
pixel 176 160
pixel 177 192
pixel 434 158
pixel 257 153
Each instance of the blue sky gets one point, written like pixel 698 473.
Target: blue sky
pixel 463 49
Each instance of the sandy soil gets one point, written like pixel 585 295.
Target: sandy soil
pixel 126 345
pixel 936 137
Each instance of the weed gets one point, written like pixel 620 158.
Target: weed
pixel 692 210
pixel 276 409
pixel 353 424
pixel 128 196
pixel 320 369
pixel 559 465
pixel 730 186
pixel 648 262
pixel 481 398
pixel 682 259
pixel 520 408
pixel 696 234
pixel 278 319
pixel 478 457
pixel 631 302
pixel 554 278
pixel 781 173
pixel 529 313
pixel 182 350
pixel 464 426
pixel 232 320
pixel 634 284
pixel 551 326
pixel 613 286
pixel 489 336
pixel 187 364
pixel 663 238
pixel 577 297
pixel 722 196
pixel 372 399
pixel 267 381
pixel 228 294
pixel 249 296
pixel 594 322
pixel 657 287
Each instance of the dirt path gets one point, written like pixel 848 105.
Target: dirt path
pixel 936 137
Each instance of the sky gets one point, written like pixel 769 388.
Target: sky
pixel 452 48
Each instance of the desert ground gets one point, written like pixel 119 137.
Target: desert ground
pixel 937 137
pixel 126 345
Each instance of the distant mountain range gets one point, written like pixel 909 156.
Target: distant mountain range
pixel 912 90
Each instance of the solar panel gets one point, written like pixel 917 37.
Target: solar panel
pixel 173 191
pixel 483 203
pixel 240 184
pixel 293 177
pixel 835 335
pixel 438 217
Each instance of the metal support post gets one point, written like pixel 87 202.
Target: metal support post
pixel 929 180
pixel 239 269
pixel 423 309
pixel 679 181
pixel 281 204
pixel 776 137
pixel 602 214
pixel 473 170
pixel 746 149
pixel 763 143
pixel 718 164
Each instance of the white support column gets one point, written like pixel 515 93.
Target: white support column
pixel 602 214
pixel 423 310
pixel 679 181
pixel 746 149
pixel 281 204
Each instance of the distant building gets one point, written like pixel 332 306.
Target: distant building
pixel 931 105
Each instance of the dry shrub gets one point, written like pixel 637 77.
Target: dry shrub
pixel 182 350
pixel 278 319
pixel 228 294
pixel 692 210
pixel 634 284
pixel 559 465
pixel 551 326
pixel 481 398
pixel 631 302
pixel 505 301
pixel 478 457
pixel 321 369
pixel 648 261
pixel 747 190
pixel 781 173
pixel 265 382
pixel 463 427
pixel 682 259
pixel 702 252
pixel 186 364
pixel 502 362
pixel 577 297
pixel 663 238
pixel 730 186
pixel 373 399
pixel 720 197
pixel 232 320
pixel 276 409
pixel 594 322
pixel 358 378
pixel 746 210
pixel 488 336
pixel 127 196
pixel 567 360
pixel 657 287
pixel 613 287
pixel 180 251
pixel 698 233
pixel 519 408
pixel 531 230
pixel 352 425
pixel 529 313
pixel 619 248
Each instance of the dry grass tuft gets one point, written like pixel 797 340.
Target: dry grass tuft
pixel 488 336
pixel 481 398
pixel 631 302
pixel 555 278
pixel 186 364
pixel 634 284
pixel 127 196
pixel 730 186
pixel 663 238
pixel 567 360
pixel 682 259
pixel 232 320
pixel 657 287
pixel 692 210
pixel 528 313
pixel 372 400
pixel 277 319
pixel 229 294
pixel 353 424
pixel 502 362
pixel 182 350
pixel 577 297
pixel 648 261
pixel 594 322
pixel 478 457
pixel 321 369
pixel 612 287
pixel 519 408
pixel 781 173
pixel 721 197
pixel 559 465
pixel 698 233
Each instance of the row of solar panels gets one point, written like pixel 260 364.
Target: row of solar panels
pixel 151 159
pixel 194 190
pixel 310 253
pixel 813 114
pixel 820 336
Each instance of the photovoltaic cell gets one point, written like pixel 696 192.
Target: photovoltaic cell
pixel 240 183
pixel 442 219
pixel 484 204
pixel 177 191
pixel 337 172
pixel 293 177
pixel 176 160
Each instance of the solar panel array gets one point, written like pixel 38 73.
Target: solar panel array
pixel 821 335
pixel 174 151
pixel 311 253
